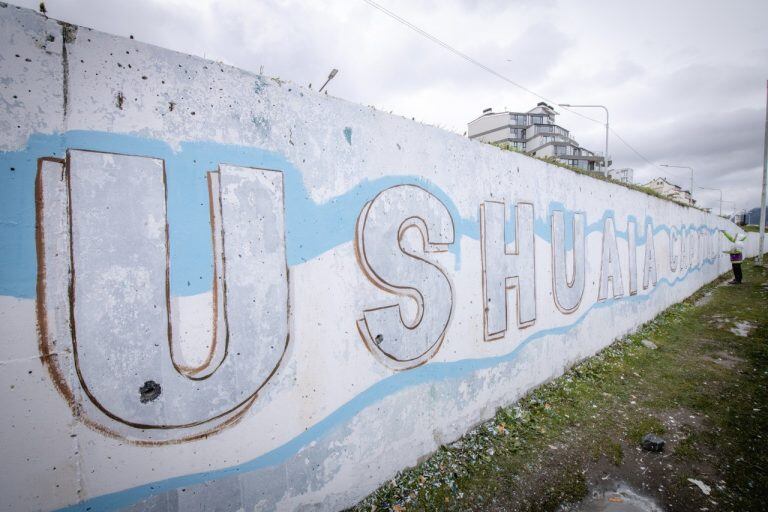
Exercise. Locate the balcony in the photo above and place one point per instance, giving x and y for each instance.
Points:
(550, 129)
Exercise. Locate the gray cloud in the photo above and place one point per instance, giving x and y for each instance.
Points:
(685, 82)
(536, 52)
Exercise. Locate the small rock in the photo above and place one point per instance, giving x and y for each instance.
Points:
(653, 443)
(649, 344)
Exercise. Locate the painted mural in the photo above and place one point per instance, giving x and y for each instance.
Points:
(222, 291)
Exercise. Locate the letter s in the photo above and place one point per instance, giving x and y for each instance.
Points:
(397, 342)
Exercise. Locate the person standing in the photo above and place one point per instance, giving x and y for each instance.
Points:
(737, 245)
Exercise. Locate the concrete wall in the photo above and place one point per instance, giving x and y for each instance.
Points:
(222, 291)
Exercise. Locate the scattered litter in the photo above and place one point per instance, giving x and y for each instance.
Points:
(701, 485)
(742, 329)
(704, 299)
(649, 344)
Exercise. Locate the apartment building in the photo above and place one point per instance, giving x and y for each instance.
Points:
(670, 190)
(535, 133)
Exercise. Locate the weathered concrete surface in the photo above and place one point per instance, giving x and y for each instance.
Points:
(315, 293)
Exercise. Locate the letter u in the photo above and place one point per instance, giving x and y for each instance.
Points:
(104, 300)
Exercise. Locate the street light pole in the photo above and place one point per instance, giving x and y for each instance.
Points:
(721, 197)
(330, 77)
(733, 212)
(761, 237)
(683, 167)
(605, 156)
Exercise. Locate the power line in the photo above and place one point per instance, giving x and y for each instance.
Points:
(495, 73)
(467, 57)
(634, 150)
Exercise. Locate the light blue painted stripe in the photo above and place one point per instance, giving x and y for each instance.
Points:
(311, 228)
(431, 372)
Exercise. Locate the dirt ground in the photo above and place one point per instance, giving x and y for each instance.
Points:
(575, 443)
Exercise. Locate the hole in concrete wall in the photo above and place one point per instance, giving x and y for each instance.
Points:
(120, 100)
(379, 338)
(149, 391)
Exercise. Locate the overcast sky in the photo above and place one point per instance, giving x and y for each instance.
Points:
(685, 81)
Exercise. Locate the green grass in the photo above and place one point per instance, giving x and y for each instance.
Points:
(593, 174)
(686, 448)
(533, 454)
(648, 425)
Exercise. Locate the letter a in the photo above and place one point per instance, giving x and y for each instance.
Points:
(610, 267)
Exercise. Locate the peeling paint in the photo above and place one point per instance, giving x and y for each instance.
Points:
(262, 125)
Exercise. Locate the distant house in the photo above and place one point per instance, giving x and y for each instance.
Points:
(739, 218)
(625, 175)
(534, 133)
(670, 190)
(753, 216)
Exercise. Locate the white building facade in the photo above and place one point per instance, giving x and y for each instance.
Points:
(670, 190)
(535, 133)
(625, 175)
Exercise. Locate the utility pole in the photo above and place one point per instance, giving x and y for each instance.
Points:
(605, 156)
(761, 238)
